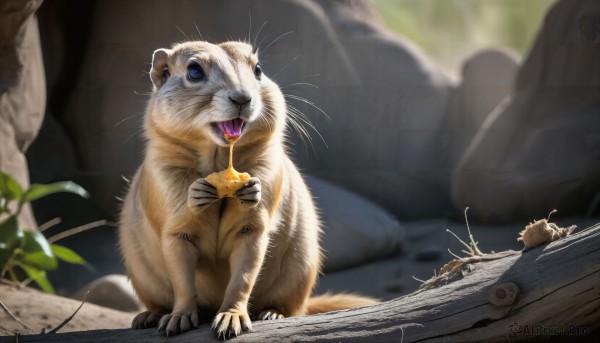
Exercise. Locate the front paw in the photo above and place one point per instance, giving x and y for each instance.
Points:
(175, 323)
(230, 324)
(201, 194)
(250, 194)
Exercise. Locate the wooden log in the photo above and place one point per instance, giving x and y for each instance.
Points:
(509, 296)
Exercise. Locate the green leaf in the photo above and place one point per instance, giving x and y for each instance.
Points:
(9, 187)
(37, 191)
(37, 251)
(34, 241)
(40, 260)
(39, 276)
(67, 255)
(10, 234)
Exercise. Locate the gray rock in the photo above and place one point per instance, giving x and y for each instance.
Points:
(539, 149)
(385, 97)
(429, 254)
(376, 279)
(417, 230)
(355, 230)
(395, 287)
(22, 90)
(487, 78)
(113, 291)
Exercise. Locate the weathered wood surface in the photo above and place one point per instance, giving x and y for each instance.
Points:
(558, 286)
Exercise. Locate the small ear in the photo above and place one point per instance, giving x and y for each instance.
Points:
(159, 66)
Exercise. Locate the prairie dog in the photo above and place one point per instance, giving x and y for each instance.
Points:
(190, 254)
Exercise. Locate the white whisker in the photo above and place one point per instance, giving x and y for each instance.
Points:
(249, 27)
(127, 118)
(183, 33)
(300, 84)
(197, 29)
(132, 135)
(306, 101)
(276, 39)
(285, 66)
(256, 37)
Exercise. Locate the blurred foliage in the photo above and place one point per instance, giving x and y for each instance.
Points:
(451, 30)
(25, 254)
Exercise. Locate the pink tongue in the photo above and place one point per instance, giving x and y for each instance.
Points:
(233, 128)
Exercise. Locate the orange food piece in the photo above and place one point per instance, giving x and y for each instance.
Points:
(228, 181)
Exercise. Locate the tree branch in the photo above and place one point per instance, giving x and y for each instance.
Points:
(498, 297)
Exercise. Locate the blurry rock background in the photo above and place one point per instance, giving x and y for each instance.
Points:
(405, 140)
(540, 148)
(22, 90)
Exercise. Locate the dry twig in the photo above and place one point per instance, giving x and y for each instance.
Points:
(12, 315)
(71, 316)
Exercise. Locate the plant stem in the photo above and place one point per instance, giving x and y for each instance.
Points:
(20, 207)
(9, 265)
(13, 276)
(473, 245)
(4, 207)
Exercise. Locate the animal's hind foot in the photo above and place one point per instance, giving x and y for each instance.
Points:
(270, 314)
(176, 323)
(146, 320)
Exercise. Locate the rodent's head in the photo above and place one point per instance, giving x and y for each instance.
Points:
(203, 90)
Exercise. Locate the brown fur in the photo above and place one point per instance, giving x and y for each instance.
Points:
(227, 258)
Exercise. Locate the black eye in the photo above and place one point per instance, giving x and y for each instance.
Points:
(258, 71)
(195, 72)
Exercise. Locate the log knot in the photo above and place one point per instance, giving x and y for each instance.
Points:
(503, 294)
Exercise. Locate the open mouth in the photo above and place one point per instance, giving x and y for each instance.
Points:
(230, 128)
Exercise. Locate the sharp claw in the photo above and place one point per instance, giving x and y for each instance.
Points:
(204, 191)
(216, 324)
(206, 183)
(161, 326)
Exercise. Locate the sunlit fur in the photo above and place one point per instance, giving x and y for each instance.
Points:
(227, 258)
